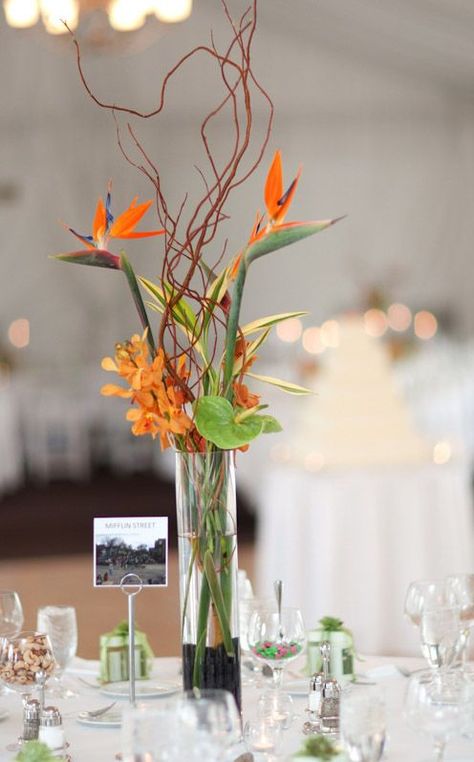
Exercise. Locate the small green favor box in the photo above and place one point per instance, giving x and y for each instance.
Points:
(114, 655)
(341, 665)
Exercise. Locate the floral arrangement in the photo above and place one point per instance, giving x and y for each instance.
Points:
(187, 377)
(188, 385)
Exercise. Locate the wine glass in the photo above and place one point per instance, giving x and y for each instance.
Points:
(26, 661)
(440, 633)
(461, 591)
(276, 639)
(262, 736)
(60, 623)
(363, 724)
(11, 613)
(11, 616)
(439, 705)
(276, 707)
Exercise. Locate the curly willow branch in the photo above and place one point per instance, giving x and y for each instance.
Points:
(185, 240)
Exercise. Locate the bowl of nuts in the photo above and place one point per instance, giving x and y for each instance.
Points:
(25, 658)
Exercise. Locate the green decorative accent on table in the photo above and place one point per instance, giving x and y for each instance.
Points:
(114, 655)
(319, 747)
(341, 665)
(35, 751)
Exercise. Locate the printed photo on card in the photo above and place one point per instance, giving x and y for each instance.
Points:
(131, 546)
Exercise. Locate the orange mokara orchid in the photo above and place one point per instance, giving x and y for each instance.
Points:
(105, 226)
(160, 404)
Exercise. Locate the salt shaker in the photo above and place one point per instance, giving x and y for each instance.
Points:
(51, 731)
(312, 724)
(31, 719)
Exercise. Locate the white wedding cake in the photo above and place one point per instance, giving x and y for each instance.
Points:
(357, 417)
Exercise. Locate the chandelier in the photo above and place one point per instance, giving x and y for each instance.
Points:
(122, 15)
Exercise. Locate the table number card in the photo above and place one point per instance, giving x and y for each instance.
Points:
(131, 546)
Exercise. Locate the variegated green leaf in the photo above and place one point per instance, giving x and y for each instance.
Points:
(285, 386)
(250, 352)
(266, 322)
(218, 601)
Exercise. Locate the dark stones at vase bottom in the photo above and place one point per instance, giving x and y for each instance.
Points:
(220, 671)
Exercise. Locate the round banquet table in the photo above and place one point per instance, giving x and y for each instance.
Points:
(101, 744)
(348, 543)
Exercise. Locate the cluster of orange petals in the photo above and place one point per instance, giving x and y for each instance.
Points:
(243, 397)
(241, 346)
(159, 402)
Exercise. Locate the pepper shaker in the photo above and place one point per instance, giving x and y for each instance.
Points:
(31, 719)
(330, 695)
(51, 731)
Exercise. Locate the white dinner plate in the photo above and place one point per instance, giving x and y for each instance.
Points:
(107, 720)
(148, 689)
(296, 687)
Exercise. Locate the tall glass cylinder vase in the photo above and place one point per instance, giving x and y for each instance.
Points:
(207, 536)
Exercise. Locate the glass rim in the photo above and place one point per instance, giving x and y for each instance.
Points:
(56, 606)
(23, 634)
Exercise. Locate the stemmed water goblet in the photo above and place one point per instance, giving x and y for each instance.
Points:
(276, 638)
(425, 595)
(439, 704)
(363, 724)
(60, 624)
(211, 713)
(430, 605)
(157, 734)
(460, 589)
(440, 635)
(26, 662)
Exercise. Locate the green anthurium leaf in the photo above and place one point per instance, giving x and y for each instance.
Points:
(285, 386)
(270, 424)
(267, 322)
(284, 235)
(92, 257)
(218, 601)
(215, 421)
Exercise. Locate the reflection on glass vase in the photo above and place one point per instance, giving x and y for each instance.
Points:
(207, 543)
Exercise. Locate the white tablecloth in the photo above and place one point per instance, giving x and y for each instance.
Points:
(101, 744)
(348, 543)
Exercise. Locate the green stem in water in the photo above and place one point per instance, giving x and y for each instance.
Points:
(203, 616)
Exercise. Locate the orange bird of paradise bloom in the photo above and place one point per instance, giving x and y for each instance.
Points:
(277, 201)
(105, 226)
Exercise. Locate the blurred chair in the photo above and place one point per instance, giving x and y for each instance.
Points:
(55, 434)
(11, 453)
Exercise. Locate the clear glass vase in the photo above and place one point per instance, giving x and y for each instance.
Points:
(207, 543)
